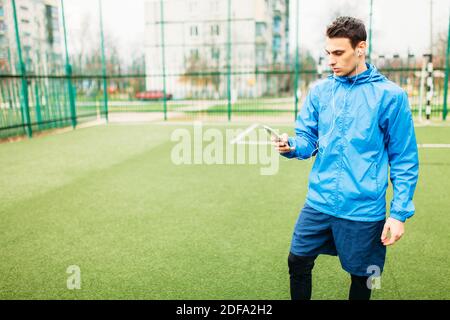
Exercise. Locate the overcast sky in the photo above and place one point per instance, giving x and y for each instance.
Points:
(398, 25)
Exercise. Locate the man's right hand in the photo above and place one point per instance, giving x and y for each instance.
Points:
(283, 145)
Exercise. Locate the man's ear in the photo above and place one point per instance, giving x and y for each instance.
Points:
(361, 47)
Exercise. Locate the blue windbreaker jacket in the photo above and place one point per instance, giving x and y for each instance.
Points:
(357, 127)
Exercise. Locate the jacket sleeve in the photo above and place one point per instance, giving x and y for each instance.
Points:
(306, 131)
(400, 140)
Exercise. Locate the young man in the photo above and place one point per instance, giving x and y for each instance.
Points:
(357, 123)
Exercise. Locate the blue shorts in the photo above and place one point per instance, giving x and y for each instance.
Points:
(357, 243)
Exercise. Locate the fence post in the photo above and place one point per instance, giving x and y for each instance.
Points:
(25, 103)
(429, 85)
(3, 93)
(370, 31)
(102, 42)
(38, 106)
(163, 53)
(229, 60)
(11, 92)
(447, 58)
(73, 114)
(296, 61)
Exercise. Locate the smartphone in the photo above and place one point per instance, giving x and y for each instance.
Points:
(273, 133)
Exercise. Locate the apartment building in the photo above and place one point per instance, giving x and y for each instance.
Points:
(40, 36)
(196, 40)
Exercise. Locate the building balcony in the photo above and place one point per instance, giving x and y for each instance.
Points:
(260, 39)
(278, 7)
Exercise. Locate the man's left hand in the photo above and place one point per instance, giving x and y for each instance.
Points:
(396, 229)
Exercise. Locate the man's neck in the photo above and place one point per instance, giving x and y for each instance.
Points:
(359, 69)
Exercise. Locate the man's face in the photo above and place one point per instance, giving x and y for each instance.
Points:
(342, 57)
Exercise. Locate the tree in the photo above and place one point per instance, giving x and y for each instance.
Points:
(196, 64)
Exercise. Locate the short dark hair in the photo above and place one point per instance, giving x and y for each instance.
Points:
(347, 27)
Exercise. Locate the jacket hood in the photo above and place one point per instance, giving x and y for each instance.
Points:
(370, 75)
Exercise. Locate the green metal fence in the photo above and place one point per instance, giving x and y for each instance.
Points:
(237, 81)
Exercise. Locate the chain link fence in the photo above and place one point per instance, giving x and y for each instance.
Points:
(195, 60)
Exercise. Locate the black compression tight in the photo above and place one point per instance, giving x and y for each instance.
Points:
(300, 273)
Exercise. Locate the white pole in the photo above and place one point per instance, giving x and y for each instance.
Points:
(422, 86)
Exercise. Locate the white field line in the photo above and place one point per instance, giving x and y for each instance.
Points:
(434, 145)
(254, 142)
(422, 146)
(238, 140)
(244, 133)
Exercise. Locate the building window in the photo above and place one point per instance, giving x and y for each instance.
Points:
(215, 30)
(260, 28)
(55, 23)
(215, 53)
(277, 24)
(51, 24)
(194, 31)
(194, 54)
(54, 11)
(276, 44)
(26, 50)
(260, 55)
(276, 47)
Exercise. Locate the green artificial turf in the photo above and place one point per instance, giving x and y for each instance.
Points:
(110, 200)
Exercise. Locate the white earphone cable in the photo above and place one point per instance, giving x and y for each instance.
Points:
(334, 117)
